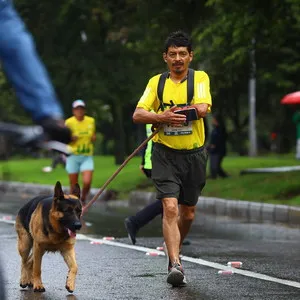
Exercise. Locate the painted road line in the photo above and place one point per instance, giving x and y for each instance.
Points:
(206, 263)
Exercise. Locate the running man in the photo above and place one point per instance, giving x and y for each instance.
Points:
(179, 157)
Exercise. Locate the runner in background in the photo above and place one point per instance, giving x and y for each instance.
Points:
(83, 136)
(134, 223)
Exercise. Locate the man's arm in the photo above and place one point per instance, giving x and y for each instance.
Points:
(201, 108)
(141, 115)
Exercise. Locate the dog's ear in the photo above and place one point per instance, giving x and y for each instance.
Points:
(58, 192)
(76, 190)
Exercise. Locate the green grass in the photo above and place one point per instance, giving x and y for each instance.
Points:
(277, 188)
(30, 170)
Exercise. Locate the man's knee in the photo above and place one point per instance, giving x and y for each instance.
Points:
(187, 213)
(170, 209)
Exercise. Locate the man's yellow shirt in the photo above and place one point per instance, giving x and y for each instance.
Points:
(84, 130)
(177, 92)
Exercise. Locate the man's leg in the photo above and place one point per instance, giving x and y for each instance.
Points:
(185, 220)
(172, 240)
(134, 223)
(170, 228)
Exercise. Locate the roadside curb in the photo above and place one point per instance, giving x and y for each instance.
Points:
(244, 210)
(239, 209)
(22, 187)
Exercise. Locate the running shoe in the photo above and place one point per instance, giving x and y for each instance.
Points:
(184, 278)
(176, 275)
(131, 230)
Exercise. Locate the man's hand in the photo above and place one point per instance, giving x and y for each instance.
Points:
(201, 109)
(169, 117)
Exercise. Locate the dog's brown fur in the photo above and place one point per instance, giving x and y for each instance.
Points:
(48, 224)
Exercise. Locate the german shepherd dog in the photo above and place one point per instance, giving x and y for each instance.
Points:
(48, 224)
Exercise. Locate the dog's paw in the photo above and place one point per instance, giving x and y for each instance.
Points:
(70, 288)
(23, 285)
(38, 288)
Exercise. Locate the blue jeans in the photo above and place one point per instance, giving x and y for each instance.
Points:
(23, 67)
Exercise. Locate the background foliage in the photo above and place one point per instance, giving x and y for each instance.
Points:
(105, 51)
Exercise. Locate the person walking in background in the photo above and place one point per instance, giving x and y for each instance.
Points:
(83, 136)
(296, 120)
(217, 147)
(179, 156)
(134, 223)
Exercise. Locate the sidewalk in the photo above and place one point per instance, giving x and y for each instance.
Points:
(244, 210)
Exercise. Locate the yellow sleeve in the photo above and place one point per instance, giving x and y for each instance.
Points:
(149, 97)
(202, 90)
(68, 122)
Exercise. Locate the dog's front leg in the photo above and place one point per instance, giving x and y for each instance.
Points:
(70, 259)
(38, 253)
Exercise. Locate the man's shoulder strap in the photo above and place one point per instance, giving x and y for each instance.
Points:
(160, 88)
(190, 87)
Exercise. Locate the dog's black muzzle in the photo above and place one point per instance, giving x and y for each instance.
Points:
(77, 225)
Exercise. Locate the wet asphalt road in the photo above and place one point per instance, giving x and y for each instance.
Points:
(114, 272)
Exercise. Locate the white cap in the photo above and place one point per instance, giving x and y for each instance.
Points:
(78, 103)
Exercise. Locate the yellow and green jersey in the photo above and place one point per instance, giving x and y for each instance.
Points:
(84, 130)
(177, 93)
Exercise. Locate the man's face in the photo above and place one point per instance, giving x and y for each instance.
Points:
(178, 59)
(79, 111)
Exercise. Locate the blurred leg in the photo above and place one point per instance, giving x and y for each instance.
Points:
(213, 163)
(23, 67)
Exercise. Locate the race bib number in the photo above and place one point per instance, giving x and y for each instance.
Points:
(183, 130)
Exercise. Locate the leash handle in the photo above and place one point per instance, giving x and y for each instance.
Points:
(85, 208)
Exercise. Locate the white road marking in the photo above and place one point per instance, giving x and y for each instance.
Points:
(198, 261)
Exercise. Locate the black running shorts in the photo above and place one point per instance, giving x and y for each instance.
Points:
(179, 174)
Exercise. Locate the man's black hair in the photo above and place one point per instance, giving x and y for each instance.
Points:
(178, 39)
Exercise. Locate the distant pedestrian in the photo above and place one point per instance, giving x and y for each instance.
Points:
(217, 147)
(296, 120)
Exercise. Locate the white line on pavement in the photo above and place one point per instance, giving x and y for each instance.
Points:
(199, 261)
